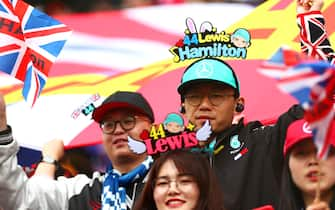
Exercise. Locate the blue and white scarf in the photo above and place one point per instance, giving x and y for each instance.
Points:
(114, 194)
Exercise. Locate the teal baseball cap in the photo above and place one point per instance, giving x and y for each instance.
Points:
(209, 69)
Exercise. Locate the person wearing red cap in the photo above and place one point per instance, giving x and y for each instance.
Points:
(298, 188)
(304, 174)
(122, 114)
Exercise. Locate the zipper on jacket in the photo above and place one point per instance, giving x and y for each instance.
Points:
(211, 160)
(211, 147)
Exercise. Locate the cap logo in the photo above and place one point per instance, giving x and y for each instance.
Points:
(205, 70)
(306, 128)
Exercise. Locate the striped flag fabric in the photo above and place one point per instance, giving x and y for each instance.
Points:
(314, 37)
(30, 42)
(277, 66)
(312, 83)
(320, 107)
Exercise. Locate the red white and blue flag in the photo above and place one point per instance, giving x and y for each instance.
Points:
(30, 42)
(312, 83)
(314, 37)
(320, 107)
(278, 65)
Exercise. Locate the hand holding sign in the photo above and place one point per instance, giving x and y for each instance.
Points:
(321, 205)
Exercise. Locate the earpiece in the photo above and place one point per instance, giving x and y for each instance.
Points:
(182, 109)
(239, 107)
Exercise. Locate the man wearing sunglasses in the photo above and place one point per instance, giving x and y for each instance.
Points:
(122, 114)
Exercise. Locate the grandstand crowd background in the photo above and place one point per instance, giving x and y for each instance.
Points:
(81, 6)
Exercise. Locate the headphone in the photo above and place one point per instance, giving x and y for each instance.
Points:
(239, 107)
(182, 109)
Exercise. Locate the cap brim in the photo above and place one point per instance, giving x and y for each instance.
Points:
(293, 141)
(295, 135)
(102, 110)
(187, 85)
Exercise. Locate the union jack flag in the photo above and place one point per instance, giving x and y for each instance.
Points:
(313, 36)
(30, 42)
(320, 108)
(278, 65)
(312, 83)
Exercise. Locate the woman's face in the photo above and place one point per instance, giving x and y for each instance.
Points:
(173, 190)
(305, 168)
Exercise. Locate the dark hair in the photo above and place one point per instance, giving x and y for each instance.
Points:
(211, 196)
(290, 195)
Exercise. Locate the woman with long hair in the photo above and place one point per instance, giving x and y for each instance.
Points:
(181, 179)
(307, 181)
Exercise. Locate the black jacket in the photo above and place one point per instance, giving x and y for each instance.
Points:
(249, 164)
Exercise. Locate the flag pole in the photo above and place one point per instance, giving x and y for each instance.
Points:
(317, 190)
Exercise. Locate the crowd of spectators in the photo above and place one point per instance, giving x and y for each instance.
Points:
(75, 6)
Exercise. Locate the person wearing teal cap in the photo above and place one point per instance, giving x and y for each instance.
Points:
(247, 158)
(216, 79)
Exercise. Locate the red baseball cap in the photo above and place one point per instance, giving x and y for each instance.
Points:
(266, 207)
(300, 130)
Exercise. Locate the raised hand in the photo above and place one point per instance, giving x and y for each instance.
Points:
(304, 6)
(54, 149)
(321, 205)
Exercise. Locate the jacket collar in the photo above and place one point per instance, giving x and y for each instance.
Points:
(232, 130)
